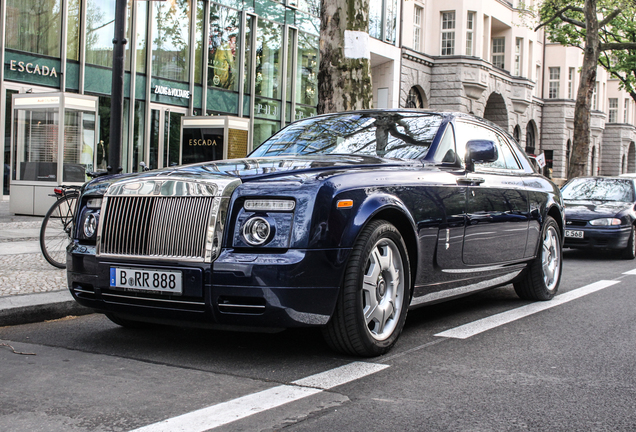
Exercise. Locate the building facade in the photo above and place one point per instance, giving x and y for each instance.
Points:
(258, 60)
(484, 57)
(248, 59)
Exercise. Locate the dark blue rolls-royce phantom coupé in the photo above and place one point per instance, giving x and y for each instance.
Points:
(343, 221)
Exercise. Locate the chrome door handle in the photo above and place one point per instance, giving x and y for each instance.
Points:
(470, 181)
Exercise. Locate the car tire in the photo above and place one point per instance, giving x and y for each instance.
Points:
(543, 275)
(127, 323)
(629, 252)
(375, 293)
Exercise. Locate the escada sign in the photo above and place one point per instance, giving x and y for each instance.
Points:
(32, 68)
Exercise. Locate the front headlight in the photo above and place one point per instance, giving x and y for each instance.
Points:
(256, 231)
(605, 222)
(264, 223)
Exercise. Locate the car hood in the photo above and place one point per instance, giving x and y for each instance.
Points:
(249, 169)
(275, 166)
(588, 210)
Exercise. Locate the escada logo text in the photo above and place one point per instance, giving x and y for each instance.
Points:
(31, 68)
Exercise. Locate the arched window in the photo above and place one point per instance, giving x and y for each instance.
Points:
(414, 99)
(530, 139)
(624, 164)
(517, 133)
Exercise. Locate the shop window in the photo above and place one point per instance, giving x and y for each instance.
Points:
(224, 48)
(73, 30)
(34, 26)
(383, 20)
(100, 27)
(171, 40)
(268, 59)
(307, 69)
(142, 29)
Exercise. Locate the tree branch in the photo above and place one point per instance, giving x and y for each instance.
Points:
(559, 14)
(617, 46)
(608, 18)
(572, 21)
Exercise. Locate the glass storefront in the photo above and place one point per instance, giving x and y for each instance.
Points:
(261, 51)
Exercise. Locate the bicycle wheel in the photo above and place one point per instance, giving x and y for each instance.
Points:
(55, 233)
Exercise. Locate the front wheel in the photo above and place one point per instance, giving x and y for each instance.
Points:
(55, 233)
(374, 297)
(542, 278)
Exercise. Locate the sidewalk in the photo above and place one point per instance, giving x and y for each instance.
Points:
(31, 289)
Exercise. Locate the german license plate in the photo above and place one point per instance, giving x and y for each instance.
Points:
(163, 281)
(574, 234)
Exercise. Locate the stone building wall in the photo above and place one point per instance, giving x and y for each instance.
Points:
(618, 140)
(416, 72)
(558, 117)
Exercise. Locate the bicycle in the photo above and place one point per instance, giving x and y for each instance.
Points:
(57, 226)
(56, 231)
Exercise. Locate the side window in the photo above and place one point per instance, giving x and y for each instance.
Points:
(445, 152)
(504, 148)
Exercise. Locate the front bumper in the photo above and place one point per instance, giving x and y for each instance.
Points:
(599, 238)
(259, 291)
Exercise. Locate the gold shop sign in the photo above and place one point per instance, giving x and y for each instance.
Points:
(32, 68)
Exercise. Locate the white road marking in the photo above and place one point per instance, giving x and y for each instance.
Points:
(471, 329)
(236, 409)
(631, 272)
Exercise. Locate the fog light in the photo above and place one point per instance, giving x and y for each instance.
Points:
(90, 225)
(256, 231)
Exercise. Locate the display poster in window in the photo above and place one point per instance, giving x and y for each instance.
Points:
(201, 145)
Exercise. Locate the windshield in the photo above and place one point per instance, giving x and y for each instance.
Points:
(599, 189)
(389, 135)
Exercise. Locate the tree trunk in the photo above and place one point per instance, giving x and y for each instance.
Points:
(344, 78)
(581, 142)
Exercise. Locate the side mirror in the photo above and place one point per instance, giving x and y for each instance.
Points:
(479, 151)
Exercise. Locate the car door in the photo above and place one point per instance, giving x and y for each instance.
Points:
(497, 208)
(451, 198)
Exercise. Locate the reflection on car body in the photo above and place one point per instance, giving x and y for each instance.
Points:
(342, 221)
(600, 214)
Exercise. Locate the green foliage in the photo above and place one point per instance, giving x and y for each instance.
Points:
(567, 27)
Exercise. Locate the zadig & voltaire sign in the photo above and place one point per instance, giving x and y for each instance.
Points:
(169, 91)
(32, 68)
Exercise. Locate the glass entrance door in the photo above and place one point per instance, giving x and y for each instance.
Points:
(165, 136)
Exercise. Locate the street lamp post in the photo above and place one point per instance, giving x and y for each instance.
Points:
(117, 89)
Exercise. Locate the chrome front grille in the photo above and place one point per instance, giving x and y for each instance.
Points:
(157, 226)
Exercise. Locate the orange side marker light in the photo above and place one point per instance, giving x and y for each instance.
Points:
(345, 204)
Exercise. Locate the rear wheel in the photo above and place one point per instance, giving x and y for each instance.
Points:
(630, 251)
(373, 301)
(542, 278)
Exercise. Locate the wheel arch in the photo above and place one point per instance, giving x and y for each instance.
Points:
(398, 216)
(557, 215)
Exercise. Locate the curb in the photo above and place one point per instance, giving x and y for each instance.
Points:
(31, 308)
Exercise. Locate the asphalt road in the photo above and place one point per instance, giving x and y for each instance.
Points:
(565, 368)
